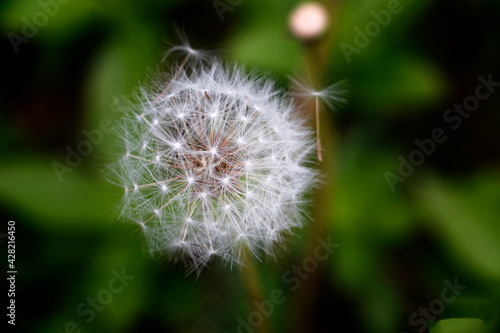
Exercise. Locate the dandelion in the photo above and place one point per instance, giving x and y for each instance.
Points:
(214, 163)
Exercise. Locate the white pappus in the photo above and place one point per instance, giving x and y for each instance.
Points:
(214, 163)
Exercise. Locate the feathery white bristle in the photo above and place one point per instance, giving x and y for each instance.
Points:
(213, 164)
(333, 95)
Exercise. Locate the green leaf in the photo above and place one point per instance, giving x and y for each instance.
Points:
(409, 82)
(369, 218)
(51, 19)
(458, 325)
(387, 75)
(263, 41)
(467, 219)
(31, 187)
(125, 61)
(365, 205)
(275, 51)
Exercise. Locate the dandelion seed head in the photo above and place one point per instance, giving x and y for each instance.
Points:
(217, 161)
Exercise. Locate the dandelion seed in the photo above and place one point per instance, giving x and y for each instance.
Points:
(332, 96)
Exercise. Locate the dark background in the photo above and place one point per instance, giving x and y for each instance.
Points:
(396, 247)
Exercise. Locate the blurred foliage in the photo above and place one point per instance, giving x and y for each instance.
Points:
(397, 247)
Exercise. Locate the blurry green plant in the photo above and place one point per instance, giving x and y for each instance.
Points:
(396, 247)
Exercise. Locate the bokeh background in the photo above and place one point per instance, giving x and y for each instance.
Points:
(396, 247)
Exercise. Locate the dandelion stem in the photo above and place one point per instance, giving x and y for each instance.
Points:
(318, 140)
(253, 287)
(316, 57)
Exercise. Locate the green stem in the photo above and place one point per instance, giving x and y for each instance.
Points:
(316, 56)
(253, 290)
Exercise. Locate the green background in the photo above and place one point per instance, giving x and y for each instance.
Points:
(396, 247)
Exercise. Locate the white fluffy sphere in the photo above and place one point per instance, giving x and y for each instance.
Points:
(213, 164)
